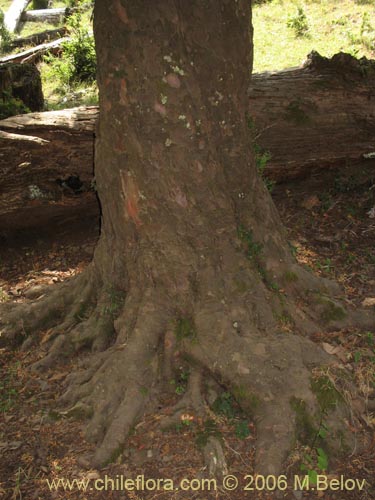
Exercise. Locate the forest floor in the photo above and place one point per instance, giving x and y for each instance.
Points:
(331, 229)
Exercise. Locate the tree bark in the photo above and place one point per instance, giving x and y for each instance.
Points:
(13, 15)
(318, 116)
(46, 167)
(192, 267)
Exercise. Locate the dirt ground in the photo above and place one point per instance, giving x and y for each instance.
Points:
(331, 230)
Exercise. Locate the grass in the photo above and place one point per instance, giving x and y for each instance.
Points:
(348, 26)
(5, 4)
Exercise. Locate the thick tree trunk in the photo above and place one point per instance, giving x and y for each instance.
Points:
(192, 267)
(333, 123)
(46, 167)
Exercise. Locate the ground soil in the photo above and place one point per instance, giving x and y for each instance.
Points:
(328, 217)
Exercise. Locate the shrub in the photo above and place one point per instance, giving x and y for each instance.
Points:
(78, 61)
(40, 4)
(5, 36)
(298, 23)
(10, 106)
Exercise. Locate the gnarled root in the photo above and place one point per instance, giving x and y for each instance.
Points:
(133, 347)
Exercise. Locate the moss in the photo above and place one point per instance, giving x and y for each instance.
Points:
(253, 248)
(185, 329)
(289, 277)
(79, 411)
(326, 393)
(306, 431)
(114, 456)
(241, 286)
(248, 401)
(332, 312)
(209, 429)
(295, 114)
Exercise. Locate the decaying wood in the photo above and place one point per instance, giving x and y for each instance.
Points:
(13, 15)
(46, 166)
(316, 116)
(22, 81)
(35, 53)
(39, 38)
(53, 16)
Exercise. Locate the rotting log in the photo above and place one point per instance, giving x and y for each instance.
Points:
(23, 82)
(13, 15)
(35, 53)
(39, 38)
(319, 116)
(53, 16)
(46, 167)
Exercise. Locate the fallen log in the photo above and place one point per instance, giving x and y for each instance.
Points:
(35, 53)
(319, 116)
(39, 38)
(53, 16)
(12, 17)
(46, 167)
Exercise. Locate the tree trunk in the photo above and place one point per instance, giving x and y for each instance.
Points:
(13, 15)
(341, 128)
(192, 268)
(317, 116)
(46, 167)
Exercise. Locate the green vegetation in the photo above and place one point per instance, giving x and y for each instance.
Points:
(5, 36)
(181, 381)
(185, 329)
(300, 26)
(208, 430)
(326, 393)
(10, 106)
(298, 23)
(8, 391)
(114, 303)
(39, 4)
(254, 248)
(261, 157)
(75, 70)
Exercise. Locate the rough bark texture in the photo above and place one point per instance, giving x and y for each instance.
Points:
(23, 82)
(186, 271)
(332, 123)
(317, 116)
(46, 167)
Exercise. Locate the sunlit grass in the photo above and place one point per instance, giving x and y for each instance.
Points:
(334, 26)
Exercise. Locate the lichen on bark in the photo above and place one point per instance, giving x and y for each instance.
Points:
(193, 261)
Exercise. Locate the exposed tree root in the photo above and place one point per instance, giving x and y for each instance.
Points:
(227, 336)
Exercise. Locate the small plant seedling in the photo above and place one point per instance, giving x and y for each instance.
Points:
(298, 23)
